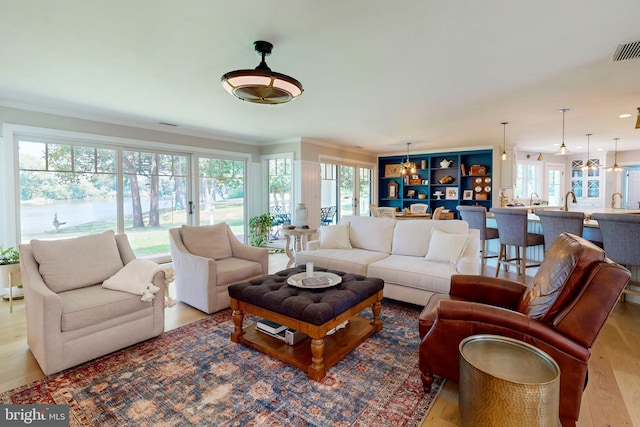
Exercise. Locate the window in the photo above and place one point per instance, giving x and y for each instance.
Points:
(528, 179)
(221, 192)
(345, 187)
(280, 180)
(71, 189)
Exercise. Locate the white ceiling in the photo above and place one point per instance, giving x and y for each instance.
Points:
(377, 73)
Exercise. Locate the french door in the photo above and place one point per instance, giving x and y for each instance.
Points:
(348, 187)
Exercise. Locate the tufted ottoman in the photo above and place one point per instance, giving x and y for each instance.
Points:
(313, 312)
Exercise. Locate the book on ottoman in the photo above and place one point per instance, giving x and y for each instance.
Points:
(315, 281)
(269, 326)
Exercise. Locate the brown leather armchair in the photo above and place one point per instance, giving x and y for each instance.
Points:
(561, 313)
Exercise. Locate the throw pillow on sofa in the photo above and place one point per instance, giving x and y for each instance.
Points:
(334, 237)
(446, 247)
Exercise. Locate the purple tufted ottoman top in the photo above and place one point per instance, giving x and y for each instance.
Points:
(315, 306)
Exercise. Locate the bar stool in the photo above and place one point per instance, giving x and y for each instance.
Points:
(556, 222)
(513, 231)
(620, 237)
(476, 216)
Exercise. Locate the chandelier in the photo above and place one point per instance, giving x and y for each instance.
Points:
(563, 148)
(261, 85)
(408, 167)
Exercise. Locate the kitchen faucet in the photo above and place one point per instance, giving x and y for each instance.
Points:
(531, 198)
(566, 200)
(613, 200)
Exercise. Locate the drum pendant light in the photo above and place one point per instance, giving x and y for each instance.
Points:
(261, 85)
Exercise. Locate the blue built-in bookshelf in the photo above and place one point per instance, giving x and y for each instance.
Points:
(461, 178)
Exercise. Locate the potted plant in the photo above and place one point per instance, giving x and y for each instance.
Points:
(259, 229)
(9, 267)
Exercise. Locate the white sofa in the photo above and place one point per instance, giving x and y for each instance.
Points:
(399, 253)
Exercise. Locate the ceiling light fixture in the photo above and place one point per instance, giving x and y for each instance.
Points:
(261, 85)
(563, 148)
(638, 120)
(504, 140)
(408, 167)
(615, 167)
(540, 157)
(589, 164)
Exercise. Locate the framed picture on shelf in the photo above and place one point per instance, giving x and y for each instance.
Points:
(467, 195)
(392, 171)
(392, 190)
(411, 194)
(451, 193)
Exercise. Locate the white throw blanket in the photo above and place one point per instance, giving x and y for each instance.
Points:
(136, 277)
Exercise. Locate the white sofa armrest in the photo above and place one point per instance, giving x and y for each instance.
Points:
(312, 245)
(251, 253)
(470, 262)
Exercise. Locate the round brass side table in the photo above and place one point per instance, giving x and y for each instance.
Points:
(506, 382)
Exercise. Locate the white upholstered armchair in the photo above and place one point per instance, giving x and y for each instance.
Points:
(208, 259)
(71, 316)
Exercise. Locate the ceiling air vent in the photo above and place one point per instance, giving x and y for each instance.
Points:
(626, 51)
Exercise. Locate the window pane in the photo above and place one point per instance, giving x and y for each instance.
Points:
(221, 197)
(59, 157)
(32, 155)
(84, 159)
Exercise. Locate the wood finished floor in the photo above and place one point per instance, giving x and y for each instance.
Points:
(611, 398)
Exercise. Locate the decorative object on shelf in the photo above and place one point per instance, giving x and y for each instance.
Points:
(638, 120)
(615, 167)
(467, 195)
(408, 167)
(392, 190)
(446, 180)
(423, 195)
(540, 157)
(415, 180)
(438, 195)
(463, 169)
(423, 164)
(392, 171)
(301, 216)
(504, 140)
(446, 163)
(452, 193)
(478, 170)
(481, 196)
(411, 194)
(563, 151)
(261, 85)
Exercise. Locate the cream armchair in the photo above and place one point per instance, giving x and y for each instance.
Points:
(71, 317)
(208, 259)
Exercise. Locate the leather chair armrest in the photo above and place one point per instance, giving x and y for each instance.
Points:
(487, 290)
(508, 323)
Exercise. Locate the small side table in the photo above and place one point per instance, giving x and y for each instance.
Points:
(10, 277)
(300, 238)
(507, 382)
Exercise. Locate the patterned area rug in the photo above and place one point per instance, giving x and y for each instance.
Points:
(195, 375)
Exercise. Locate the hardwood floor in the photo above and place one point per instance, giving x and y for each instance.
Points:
(611, 398)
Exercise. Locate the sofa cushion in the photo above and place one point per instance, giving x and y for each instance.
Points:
(446, 247)
(370, 233)
(94, 304)
(232, 270)
(334, 237)
(74, 263)
(413, 272)
(412, 237)
(209, 241)
(348, 260)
